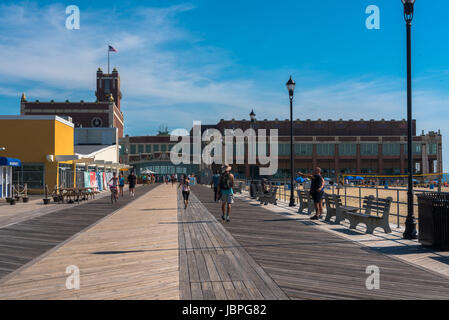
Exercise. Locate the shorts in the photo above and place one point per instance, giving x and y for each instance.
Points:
(185, 195)
(227, 198)
(317, 196)
(132, 186)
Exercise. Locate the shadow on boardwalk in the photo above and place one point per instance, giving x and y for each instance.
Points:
(25, 241)
(309, 263)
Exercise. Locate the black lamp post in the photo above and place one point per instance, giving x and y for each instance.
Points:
(410, 222)
(291, 88)
(252, 116)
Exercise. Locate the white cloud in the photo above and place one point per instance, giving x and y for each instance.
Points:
(170, 75)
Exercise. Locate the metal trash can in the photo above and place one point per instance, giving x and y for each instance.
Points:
(433, 214)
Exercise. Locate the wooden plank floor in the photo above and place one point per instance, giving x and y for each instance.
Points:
(131, 254)
(309, 263)
(212, 264)
(35, 208)
(24, 241)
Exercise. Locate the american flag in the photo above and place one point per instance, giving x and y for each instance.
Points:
(112, 49)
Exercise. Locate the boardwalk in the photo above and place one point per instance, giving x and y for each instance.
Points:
(132, 254)
(308, 263)
(213, 265)
(152, 248)
(24, 241)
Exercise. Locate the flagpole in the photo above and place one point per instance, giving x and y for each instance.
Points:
(108, 59)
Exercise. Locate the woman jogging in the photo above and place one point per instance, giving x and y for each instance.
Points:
(316, 191)
(185, 187)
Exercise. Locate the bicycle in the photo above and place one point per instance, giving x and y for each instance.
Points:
(114, 194)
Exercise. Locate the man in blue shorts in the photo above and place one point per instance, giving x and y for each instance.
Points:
(225, 185)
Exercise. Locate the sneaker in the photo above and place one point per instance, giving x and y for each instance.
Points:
(223, 217)
(228, 219)
(314, 218)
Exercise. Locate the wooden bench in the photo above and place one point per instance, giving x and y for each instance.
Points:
(371, 206)
(333, 202)
(269, 197)
(305, 201)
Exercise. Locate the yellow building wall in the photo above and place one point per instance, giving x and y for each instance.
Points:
(32, 140)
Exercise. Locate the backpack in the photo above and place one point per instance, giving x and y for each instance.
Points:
(225, 182)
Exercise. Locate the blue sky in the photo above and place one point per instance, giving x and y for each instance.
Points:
(205, 60)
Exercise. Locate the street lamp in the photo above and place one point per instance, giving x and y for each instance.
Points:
(410, 222)
(252, 116)
(291, 88)
(2, 148)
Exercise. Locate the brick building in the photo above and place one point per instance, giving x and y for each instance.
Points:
(345, 146)
(152, 153)
(104, 112)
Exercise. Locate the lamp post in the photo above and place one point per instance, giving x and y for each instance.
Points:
(410, 222)
(291, 88)
(252, 116)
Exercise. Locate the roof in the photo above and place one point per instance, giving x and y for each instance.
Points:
(90, 150)
(37, 117)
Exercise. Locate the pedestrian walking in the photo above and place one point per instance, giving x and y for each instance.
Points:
(214, 185)
(132, 182)
(316, 191)
(121, 183)
(225, 186)
(185, 188)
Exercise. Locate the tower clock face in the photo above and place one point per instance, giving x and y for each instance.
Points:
(97, 122)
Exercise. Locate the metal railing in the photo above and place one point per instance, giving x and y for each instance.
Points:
(353, 196)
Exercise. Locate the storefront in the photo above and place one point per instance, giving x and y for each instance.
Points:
(6, 165)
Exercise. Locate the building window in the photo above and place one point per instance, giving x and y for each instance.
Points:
(140, 148)
(155, 148)
(96, 122)
(133, 149)
(368, 149)
(347, 149)
(163, 147)
(391, 149)
(31, 174)
(284, 149)
(416, 148)
(148, 148)
(122, 149)
(432, 148)
(303, 149)
(106, 86)
(325, 149)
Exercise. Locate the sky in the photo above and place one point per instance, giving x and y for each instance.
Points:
(207, 60)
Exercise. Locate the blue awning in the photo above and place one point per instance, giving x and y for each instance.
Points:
(10, 162)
